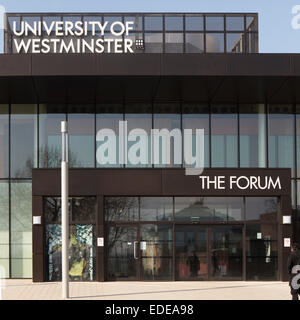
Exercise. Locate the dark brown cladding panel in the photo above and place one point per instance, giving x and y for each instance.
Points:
(155, 182)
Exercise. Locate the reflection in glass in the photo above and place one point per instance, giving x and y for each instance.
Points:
(153, 42)
(139, 116)
(121, 209)
(167, 116)
(23, 140)
(261, 251)
(174, 23)
(191, 252)
(156, 252)
(4, 147)
(253, 143)
(224, 136)
(197, 117)
(121, 247)
(261, 208)
(81, 122)
(235, 23)
(214, 23)
(281, 137)
(193, 23)
(21, 229)
(137, 22)
(234, 42)
(4, 227)
(156, 208)
(215, 42)
(298, 139)
(226, 252)
(153, 23)
(193, 209)
(173, 42)
(50, 117)
(82, 256)
(194, 42)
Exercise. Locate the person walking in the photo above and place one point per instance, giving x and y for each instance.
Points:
(293, 261)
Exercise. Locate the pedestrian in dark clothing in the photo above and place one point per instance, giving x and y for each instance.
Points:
(293, 270)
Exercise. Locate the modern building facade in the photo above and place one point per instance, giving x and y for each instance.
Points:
(148, 220)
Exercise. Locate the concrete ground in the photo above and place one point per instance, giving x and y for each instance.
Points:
(26, 290)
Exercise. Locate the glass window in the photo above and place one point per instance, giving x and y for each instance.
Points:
(193, 209)
(261, 208)
(21, 229)
(235, 23)
(108, 117)
(174, 42)
(156, 208)
(226, 252)
(156, 252)
(253, 143)
(4, 147)
(4, 227)
(197, 117)
(193, 23)
(251, 23)
(50, 117)
(298, 139)
(281, 137)
(139, 116)
(214, 23)
(252, 43)
(174, 23)
(153, 43)
(261, 251)
(121, 209)
(215, 42)
(194, 42)
(111, 20)
(137, 22)
(153, 23)
(166, 148)
(23, 140)
(234, 42)
(81, 121)
(224, 136)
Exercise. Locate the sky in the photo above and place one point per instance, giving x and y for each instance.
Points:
(276, 34)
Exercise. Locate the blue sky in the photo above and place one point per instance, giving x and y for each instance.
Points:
(276, 33)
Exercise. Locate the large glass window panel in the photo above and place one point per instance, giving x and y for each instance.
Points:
(226, 252)
(108, 117)
(194, 42)
(21, 229)
(4, 227)
(156, 208)
(281, 137)
(201, 209)
(139, 117)
(81, 121)
(23, 140)
(156, 252)
(121, 209)
(111, 20)
(153, 23)
(137, 22)
(82, 254)
(166, 149)
(234, 42)
(224, 136)
(197, 117)
(214, 23)
(215, 42)
(261, 252)
(193, 23)
(153, 42)
(253, 141)
(50, 117)
(235, 23)
(191, 253)
(174, 23)
(174, 42)
(4, 147)
(261, 208)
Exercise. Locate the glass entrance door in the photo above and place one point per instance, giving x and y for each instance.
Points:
(226, 252)
(191, 252)
(122, 252)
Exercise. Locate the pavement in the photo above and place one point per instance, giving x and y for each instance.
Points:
(227, 290)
